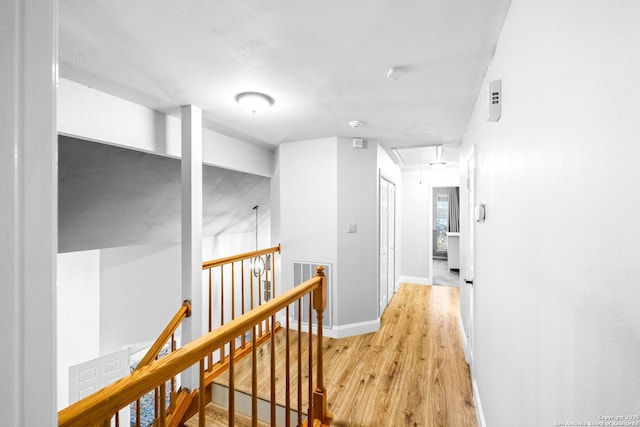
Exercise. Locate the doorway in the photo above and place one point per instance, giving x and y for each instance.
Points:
(470, 256)
(387, 236)
(445, 236)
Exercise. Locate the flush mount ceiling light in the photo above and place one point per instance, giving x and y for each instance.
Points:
(355, 123)
(254, 102)
(439, 163)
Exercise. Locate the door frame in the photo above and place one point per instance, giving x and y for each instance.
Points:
(470, 257)
(382, 176)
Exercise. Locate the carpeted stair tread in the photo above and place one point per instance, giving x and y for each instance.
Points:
(218, 416)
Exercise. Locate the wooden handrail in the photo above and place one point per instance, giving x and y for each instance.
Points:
(152, 353)
(215, 263)
(104, 403)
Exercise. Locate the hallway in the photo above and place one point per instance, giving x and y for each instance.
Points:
(411, 372)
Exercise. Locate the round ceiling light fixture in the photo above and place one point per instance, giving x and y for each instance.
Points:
(254, 102)
(355, 123)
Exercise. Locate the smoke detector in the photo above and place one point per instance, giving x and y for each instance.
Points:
(355, 123)
(395, 73)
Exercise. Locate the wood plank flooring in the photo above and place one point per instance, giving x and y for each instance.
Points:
(412, 372)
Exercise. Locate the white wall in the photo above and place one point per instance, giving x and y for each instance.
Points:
(78, 314)
(87, 113)
(308, 203)
(139, 293)
(557, 318)
(416, 219)
(324, 185)
(357, 195)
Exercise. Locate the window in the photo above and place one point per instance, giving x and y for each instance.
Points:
(442, 222)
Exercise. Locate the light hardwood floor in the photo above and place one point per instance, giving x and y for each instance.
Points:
(412, 372)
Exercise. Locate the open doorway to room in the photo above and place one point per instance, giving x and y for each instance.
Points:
(446, 236)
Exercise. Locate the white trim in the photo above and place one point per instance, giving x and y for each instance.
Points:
(357, 328)
(415, 280)
(469, 358)
(342, 331)
(87, 113)
(463, 335)
(476, 399)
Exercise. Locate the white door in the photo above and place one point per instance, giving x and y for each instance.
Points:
(384, 244)
(88, 377)
(471, 244)
(391, 241)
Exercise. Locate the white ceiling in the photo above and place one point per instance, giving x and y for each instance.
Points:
(324, 62)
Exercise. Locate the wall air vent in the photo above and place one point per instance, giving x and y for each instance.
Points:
(359, 143)
(303, 271)
(495, 100)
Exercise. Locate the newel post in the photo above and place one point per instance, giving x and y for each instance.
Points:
(319, 304)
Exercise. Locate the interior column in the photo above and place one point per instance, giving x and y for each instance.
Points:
(28, 211)
(192, 230)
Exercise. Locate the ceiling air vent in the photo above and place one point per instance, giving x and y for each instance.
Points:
(495, 100)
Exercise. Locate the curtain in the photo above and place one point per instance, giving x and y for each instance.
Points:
(454, 209)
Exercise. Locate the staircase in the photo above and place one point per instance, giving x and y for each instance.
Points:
(238, 335)
(217, 411)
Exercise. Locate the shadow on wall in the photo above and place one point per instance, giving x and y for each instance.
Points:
(111, 196)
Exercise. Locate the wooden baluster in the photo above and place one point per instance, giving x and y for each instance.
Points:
(254, 379)
(243, 297)
(162, 422)
(319, 304)
(260, 299)
(210, 311)
(251, 290)
(267, 297)
(117, 415)
(299, 362)
(266, 281)
(233, 291)
(232, 386)
(155, 402)
(222, 308)
(210, 300)
(106, 423)
(273, 275)
(138, 413)
(310, 413)
(201, 397)
(287, 363)
(273, 372)
(172, 392)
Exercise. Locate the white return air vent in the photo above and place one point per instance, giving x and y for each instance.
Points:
(303, 271)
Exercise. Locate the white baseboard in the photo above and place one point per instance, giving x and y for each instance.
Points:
(476, 399)
(343, 331)
(469, 358)
(465, 342)
(415, 280)
(360, 328)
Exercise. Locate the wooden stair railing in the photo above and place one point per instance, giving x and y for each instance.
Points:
(167, 335)
(241, 287)
(99, 407)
